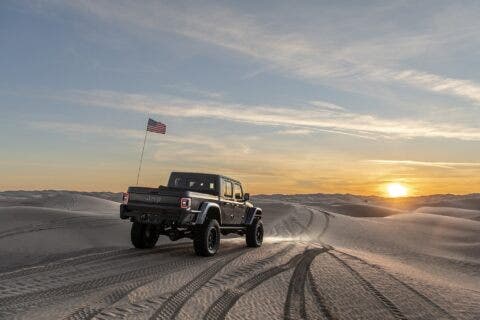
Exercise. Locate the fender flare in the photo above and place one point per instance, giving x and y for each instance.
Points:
(252, 213)
(202, 215)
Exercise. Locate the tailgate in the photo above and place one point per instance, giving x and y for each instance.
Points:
(154, 196)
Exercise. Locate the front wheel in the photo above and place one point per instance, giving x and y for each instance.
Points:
(143, 236)
(254, 235)
(206, 239)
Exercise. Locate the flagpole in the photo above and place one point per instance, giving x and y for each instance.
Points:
(141, 157)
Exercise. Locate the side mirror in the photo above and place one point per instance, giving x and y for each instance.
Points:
(246, 196)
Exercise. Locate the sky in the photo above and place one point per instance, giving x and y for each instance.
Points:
(288, 97)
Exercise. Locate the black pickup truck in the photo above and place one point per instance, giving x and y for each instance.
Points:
(198, 206)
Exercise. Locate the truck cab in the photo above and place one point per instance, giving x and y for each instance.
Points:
(232, 202)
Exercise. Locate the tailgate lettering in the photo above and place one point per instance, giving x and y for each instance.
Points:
(150, 198)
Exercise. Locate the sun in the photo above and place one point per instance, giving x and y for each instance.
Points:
(396, 190)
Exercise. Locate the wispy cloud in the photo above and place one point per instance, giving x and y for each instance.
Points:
(334, 120)
(300, 132)
(292, 53)
(432, 82)
(326, 105)
(73, 128)
(435, 164)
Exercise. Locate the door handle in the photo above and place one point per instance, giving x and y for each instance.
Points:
(231, 216)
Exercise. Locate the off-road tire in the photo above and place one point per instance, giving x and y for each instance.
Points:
(143, 236)
(254, 235)
(206, 239)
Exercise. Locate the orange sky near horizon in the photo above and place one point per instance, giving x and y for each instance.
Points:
(267, 177)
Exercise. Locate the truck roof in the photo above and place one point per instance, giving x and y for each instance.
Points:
(205, 174)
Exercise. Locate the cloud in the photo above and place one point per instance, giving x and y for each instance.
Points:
(334, 120)
(326, 105)
(300, 132)
(290, 52)
(73, 128)
(432, 82)
(444, 165)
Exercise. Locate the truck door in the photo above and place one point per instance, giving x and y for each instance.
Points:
(239, 208)
(227, 203)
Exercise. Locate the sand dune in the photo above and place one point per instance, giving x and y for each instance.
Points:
(363, 210)
(452, 212)
(67, 256)
(71, 201)
(464, 206)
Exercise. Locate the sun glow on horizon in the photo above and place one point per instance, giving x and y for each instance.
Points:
(395, 190)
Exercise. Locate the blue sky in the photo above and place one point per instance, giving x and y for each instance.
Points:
(316, 97)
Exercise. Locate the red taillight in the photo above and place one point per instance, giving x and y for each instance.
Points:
(125, 197)
(185, 203)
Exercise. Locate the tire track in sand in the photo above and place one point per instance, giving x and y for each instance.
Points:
(42, 296)
(295, 302)
(175, 302)
(322, 306)
(88, 312)
(57, 263)
(111, 299)
(85, 258)
(389, 305)
(327, 216)
(61, 223)
(292, 220)
(247, 268)
(443, 312)
(305, 228)
(221, 307)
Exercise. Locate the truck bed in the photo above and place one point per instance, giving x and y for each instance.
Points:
(162, 205)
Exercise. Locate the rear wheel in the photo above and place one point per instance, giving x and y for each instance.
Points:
(254, 235)
(206, 239)
(144, 236)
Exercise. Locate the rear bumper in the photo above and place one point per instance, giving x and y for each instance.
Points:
(158, 215)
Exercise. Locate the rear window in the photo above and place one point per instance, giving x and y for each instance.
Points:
(200, 183)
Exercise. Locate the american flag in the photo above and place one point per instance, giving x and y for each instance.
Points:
(155, 126)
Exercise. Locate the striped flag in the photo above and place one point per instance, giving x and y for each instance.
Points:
(155, 126)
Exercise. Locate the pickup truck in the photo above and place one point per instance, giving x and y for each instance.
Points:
(198, 206)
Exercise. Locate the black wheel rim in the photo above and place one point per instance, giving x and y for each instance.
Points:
(212, 240)
(259, 235)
